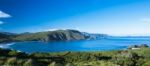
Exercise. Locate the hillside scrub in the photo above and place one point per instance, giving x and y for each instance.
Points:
(129, 57)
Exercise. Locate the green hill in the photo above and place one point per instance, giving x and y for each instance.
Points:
(58, 35)
(139, 57)
(51, 36)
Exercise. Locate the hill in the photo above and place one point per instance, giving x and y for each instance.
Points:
(139, 57)
(58, 35)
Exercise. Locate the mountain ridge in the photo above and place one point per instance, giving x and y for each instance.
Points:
(57, 35)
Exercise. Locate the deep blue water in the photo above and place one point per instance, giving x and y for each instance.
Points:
(82, 45)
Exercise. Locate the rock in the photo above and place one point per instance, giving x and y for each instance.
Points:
(144, 45)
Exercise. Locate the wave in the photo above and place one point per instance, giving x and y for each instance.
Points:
(7, 45)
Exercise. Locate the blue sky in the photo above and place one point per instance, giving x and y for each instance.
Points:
(114, 17)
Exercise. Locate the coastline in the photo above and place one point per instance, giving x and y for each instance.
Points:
(106, 58)
(35, 47)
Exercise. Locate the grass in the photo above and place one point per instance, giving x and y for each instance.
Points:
(140, 57)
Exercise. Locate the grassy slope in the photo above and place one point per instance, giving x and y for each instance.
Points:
(108, 58)
(51, 36)
(58, 35)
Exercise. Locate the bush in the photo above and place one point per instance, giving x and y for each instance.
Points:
(13, 53)
(11, 62)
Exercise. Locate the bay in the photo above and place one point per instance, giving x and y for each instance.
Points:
(81, 45)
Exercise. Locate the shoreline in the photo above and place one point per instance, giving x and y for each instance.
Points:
(7, 45)
(132, 47)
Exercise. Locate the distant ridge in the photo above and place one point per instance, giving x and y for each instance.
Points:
(57, 35)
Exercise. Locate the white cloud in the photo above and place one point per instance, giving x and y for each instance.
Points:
(1, 22)
(4, 15)
(53, 29)
(145, 19)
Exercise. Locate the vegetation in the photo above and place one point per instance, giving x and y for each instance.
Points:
(139, 57)
(51, 36)
(58, 35)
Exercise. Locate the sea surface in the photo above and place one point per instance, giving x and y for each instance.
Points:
(81, 45)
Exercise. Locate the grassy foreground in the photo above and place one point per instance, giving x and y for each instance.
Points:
(140, 57)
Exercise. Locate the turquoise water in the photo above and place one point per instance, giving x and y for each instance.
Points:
(82, 45)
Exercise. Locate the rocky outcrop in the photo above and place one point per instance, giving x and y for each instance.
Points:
(138, 46)
(94, 36)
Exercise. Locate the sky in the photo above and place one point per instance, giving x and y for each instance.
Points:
(113, 17)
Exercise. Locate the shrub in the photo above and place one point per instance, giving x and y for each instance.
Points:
(11, 62)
